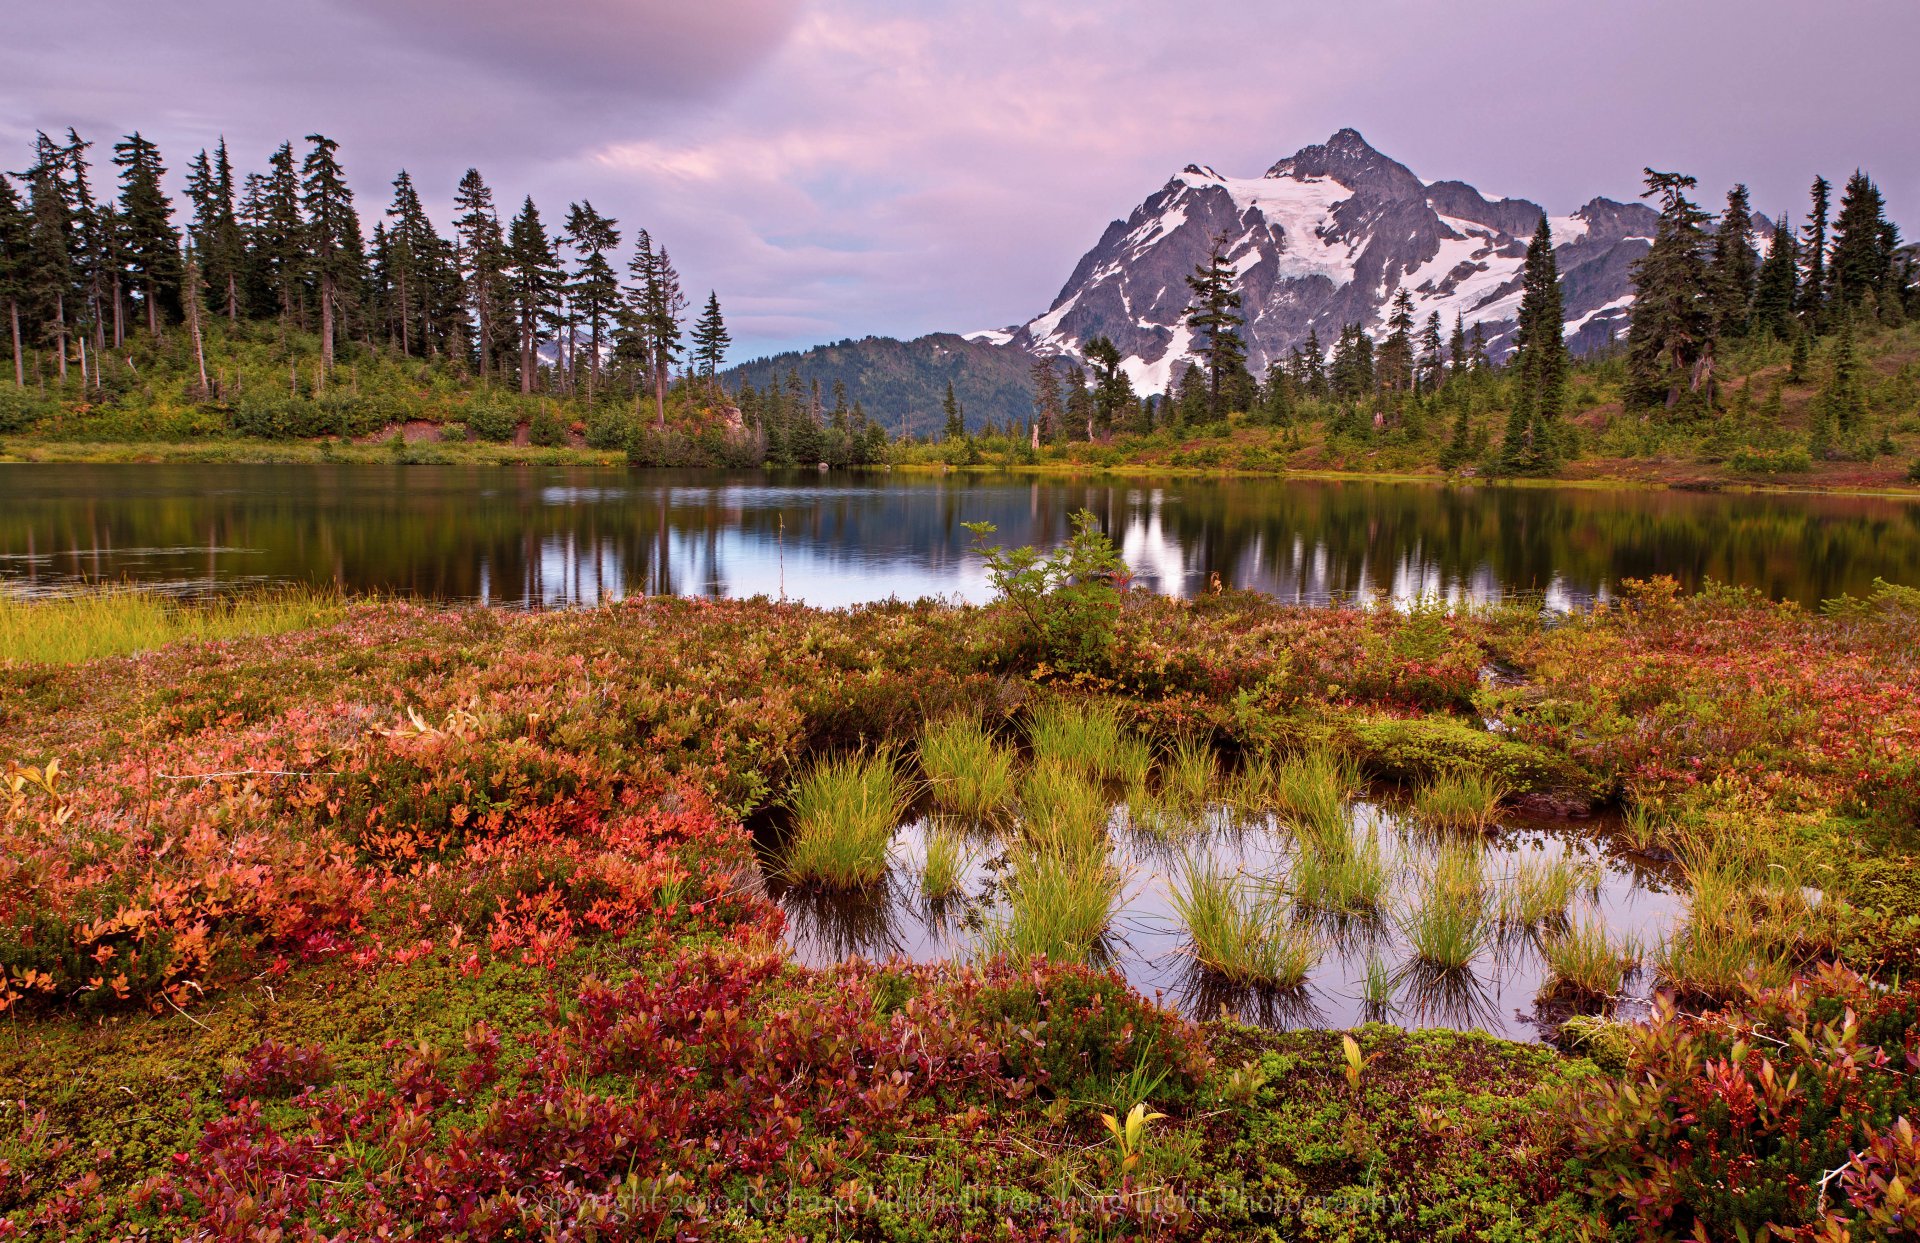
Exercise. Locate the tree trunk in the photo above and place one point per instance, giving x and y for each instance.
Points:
(660, 395)
(233, 299)
(326, 324)
(60, 331)
(153, 312)
(119, 319)
(19, 359)
(193, 324)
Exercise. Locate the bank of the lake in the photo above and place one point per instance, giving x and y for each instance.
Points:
(460, 918)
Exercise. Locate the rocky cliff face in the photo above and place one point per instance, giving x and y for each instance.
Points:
(1326, 238)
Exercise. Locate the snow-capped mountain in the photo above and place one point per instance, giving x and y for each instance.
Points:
(1325, 238)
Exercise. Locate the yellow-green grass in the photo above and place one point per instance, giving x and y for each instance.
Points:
(1457, 875)
(1541, 890)
(1056, 906)
(1310, 789)
(1584, 964)
(1090, 739)
(1721, 961)
(943, 867)
(1238, 935)
(1446, 933)
(123, 621)
(1377, 987)
(969, 773)
(1460, 799)
(1345, 875)
(845, 810)
(1158, 818)
(1189, 774)
(1061, 812)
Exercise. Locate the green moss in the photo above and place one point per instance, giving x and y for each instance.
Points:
(1416, 749)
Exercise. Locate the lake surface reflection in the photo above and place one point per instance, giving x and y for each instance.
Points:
(532, 536)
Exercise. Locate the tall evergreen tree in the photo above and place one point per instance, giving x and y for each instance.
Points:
(711, 339)
(13, 266)
(1112, 389)
(1670, 344)
(594, 290)
(1457, 345)
(218, 245)
(1861, 262)
(482, 249)
(278, 233)
(1048, 413)
(152, 243)
(1777, 289)
(658, 305)
(1539, 366)
(47, 279)
(1813, 253)
(99, 255)
(1214, 317)
(1393, 363)
(956, 424)
(534, 279)
(409, 253)
(336, 256)
(1433, 359)
(1735, 265)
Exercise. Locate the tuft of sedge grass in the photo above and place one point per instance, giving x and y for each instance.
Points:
(968, 772)
(1541, 890)
(1445, 933)
(1377, 987)
(1461, 799)
(1643, 831)
(1458, 875)
(1153, 815)
(123, 621)
(1062, 813)
(1345, 875)
(1721, 961)
(1189, 773)
(1056, 906)
(943, 866)
(1090, 739)
(845, 810)
(1584, 965)
(1239, 936)
(1310, 791)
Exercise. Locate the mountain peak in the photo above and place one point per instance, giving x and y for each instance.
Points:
(1352, 161)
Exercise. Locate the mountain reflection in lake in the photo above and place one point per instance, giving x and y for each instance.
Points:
(553, 536)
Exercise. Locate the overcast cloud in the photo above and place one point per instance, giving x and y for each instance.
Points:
(842, 167)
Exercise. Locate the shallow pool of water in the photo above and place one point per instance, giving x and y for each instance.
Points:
(1149, 945)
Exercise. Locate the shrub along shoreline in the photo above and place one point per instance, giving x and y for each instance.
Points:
(446, 920)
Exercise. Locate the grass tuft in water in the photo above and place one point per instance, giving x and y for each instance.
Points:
(1541, 890)
(1585, 965)
(122, 621)
(970, 774)
(1377, 987)
(1062, 813)
(1460, 800)
(1446, 933)
(845, 810)
(1240, 937)
(1057, 906)
(1346, 875)
(1090, 739)
(1189, 775)
(944, 867)
(1310, 789)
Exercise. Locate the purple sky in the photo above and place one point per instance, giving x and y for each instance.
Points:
(842, 167)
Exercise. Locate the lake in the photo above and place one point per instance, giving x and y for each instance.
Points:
(558, 536)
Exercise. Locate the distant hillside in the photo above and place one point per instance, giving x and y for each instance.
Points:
(902, 383)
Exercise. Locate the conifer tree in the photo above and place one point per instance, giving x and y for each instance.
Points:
(1861, 261)
(215, 232)
(1433, 360)
(1310, 370)
(193, 311)
(1457, 345)
(278, 232)
(1539, 366)
(1048, 413)
(482, 249)
(956, 425)
(1734, 265)
(1112, 389)
(1777, 288)
(1213, 315)
(409, 250)
(336, 255)
(1670, 344)
(533, 281)
(152, 243)
(657, 310)
(1844, 400)
(594, 290)
(13, 262)
(1478, 359)
(47, 272)
(98, 237)
(1813, 252)
(711, 339)
(1395, 359)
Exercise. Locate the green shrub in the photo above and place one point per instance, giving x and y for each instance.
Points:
(491, 422)
(546, 429)
(1793, 461)
(609, 427)
(1913, 471)
(20, 409)
(1066, 604)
